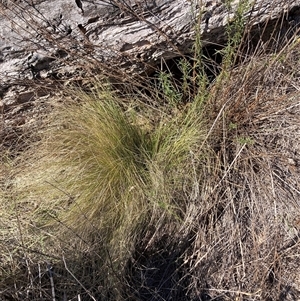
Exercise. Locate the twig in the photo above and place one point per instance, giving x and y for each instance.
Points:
(23, 244)
(40, 280)
(286, 183)
(86, 290)
(230, 166)
(256, 294)
(51, 281)
(214, 123)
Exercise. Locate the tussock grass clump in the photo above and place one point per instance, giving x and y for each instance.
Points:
(101, 157)
(104, 175)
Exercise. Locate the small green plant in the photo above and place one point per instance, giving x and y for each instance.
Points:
(232, 126)
(185, 68)
(235, 31)
(169, 90)
(245, 140)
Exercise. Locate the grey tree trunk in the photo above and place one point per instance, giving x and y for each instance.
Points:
(131, 35)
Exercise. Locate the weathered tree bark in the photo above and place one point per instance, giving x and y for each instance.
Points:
(39, 35)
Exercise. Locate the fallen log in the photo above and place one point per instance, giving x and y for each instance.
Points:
(38, 36)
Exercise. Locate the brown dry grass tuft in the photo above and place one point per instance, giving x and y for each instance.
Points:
(246, 241)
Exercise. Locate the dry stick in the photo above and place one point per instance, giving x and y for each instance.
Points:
(22, 243)
(206, 253)
(86, 290)
(280, 111)
(40, 280)
(51, 281)
(214, 123)
(37, 251)
(239, 233)
(71, 198)
(230, 166)
(255, 294)
(286, 183)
